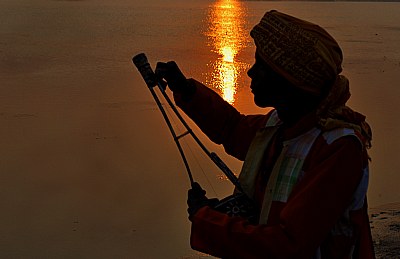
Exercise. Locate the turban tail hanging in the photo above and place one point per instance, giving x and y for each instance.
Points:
(308, 57)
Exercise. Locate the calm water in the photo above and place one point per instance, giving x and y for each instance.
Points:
(88, 167)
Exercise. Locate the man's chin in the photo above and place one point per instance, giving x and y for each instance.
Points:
(261, 104)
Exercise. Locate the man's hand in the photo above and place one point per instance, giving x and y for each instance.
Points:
(176, 80)
(197, 199)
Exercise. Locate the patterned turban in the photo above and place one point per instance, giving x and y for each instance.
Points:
(308, 57)
(302, 52)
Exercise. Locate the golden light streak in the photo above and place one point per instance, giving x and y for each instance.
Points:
(226, 36)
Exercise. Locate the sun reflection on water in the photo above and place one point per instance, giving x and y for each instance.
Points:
(227, 37)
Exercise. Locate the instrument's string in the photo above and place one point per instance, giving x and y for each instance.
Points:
(188, 147)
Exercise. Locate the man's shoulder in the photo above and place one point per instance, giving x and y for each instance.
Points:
(331, 136)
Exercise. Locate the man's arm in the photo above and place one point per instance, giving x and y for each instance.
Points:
(219, 120)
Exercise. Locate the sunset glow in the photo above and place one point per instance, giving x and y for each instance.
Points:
(225, 33)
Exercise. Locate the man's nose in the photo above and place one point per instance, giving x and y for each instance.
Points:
(250, 72)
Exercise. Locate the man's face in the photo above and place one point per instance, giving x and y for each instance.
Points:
(269, 88)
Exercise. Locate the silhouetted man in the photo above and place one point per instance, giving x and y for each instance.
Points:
(305, 162)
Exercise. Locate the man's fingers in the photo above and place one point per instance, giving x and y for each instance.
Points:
(161, 69)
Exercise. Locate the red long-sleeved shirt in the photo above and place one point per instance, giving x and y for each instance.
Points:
(297, 228)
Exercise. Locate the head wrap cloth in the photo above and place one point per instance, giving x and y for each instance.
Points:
(308, 57)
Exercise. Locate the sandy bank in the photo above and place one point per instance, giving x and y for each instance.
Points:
(385, 227)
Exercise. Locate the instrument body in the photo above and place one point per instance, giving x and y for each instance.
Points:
(239, 205)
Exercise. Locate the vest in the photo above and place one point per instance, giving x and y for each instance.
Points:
(287, 170)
